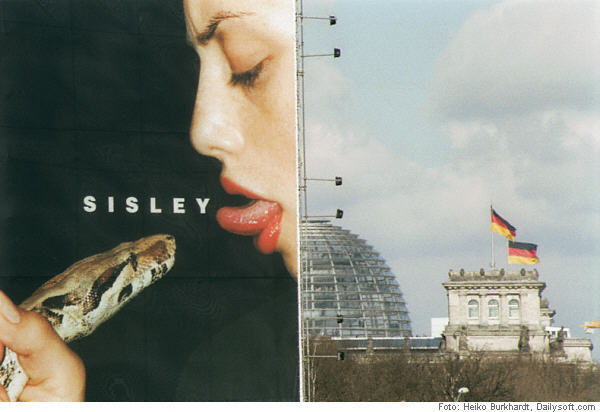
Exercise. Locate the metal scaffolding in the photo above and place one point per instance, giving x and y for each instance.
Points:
(345, 287)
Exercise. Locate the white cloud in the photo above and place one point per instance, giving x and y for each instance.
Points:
(515, 91)
(519, 55)
(519, 91)
(585, 132)
(329, 91)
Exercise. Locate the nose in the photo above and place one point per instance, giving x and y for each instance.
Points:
(216, 122)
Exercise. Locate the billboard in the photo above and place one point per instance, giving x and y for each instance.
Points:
(112, 129)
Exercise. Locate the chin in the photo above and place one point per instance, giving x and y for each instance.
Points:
(287, 246)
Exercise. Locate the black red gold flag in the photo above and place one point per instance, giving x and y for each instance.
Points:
(500, 225)
(522, 253)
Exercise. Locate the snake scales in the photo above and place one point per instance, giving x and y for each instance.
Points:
(89, 292)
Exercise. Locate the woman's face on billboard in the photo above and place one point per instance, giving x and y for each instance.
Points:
(244, 113)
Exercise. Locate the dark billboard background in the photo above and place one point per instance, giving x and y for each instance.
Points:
(96, 99)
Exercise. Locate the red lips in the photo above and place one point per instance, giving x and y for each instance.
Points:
(260, 218)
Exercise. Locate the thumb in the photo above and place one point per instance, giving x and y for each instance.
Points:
(10, 317)
(8, 309)
(55, 372)
(22, 331)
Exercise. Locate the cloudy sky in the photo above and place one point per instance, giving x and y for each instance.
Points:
(437, 109)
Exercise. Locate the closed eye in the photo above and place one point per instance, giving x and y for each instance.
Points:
(246, 79)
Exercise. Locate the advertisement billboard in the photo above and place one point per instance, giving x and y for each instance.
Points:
(113, 129)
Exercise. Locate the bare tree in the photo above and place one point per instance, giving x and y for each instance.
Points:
(405, 376)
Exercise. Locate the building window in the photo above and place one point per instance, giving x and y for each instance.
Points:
(493, 309)
(513, 308)
(473, 309)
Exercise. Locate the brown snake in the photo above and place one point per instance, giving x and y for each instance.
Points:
(89, 292)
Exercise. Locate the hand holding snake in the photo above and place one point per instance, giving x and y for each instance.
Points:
(69, 306)
(55, 372)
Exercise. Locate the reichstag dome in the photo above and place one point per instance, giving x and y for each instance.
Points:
(347, 289)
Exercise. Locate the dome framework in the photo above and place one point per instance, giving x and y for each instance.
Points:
(347, 288)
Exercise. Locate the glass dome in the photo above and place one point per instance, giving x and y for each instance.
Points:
(347, 289)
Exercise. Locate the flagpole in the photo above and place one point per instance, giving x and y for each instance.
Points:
(493, 264)
(493, 258)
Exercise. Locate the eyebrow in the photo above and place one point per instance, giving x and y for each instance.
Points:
(208, 33)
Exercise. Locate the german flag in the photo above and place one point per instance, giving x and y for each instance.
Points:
(501, 226)
(522, 253)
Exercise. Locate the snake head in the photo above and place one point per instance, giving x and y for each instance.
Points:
(92, 290)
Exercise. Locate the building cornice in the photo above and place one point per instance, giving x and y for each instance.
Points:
(493, 279)
(485, 284)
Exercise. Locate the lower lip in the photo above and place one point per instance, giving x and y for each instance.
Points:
(260, 218)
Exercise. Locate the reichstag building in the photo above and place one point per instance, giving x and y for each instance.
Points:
(347, 288)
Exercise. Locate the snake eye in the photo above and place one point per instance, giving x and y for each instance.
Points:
(133, 260)
(125, 293)
(56, 302)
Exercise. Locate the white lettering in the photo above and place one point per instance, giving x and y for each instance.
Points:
(153, 208)
(89, 203)
(202, 205)
(132, 205)
(178, 204)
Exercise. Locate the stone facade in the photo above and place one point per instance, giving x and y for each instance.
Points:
(502, 311)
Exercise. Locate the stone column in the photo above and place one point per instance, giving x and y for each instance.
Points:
(503, 314)
(483, 310)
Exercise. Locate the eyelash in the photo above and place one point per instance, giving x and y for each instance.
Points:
(247, 79)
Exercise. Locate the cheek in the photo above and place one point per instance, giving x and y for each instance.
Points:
(276, 149)
(270, 126)
(274, 127)
(282, 142)
(282, 110)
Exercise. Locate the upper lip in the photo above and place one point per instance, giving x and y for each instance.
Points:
(234, 189)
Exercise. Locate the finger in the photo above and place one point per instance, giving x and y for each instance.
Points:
(54, 371)
(10, 317)
(8, 309)
(3, 395)
(30, 336)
